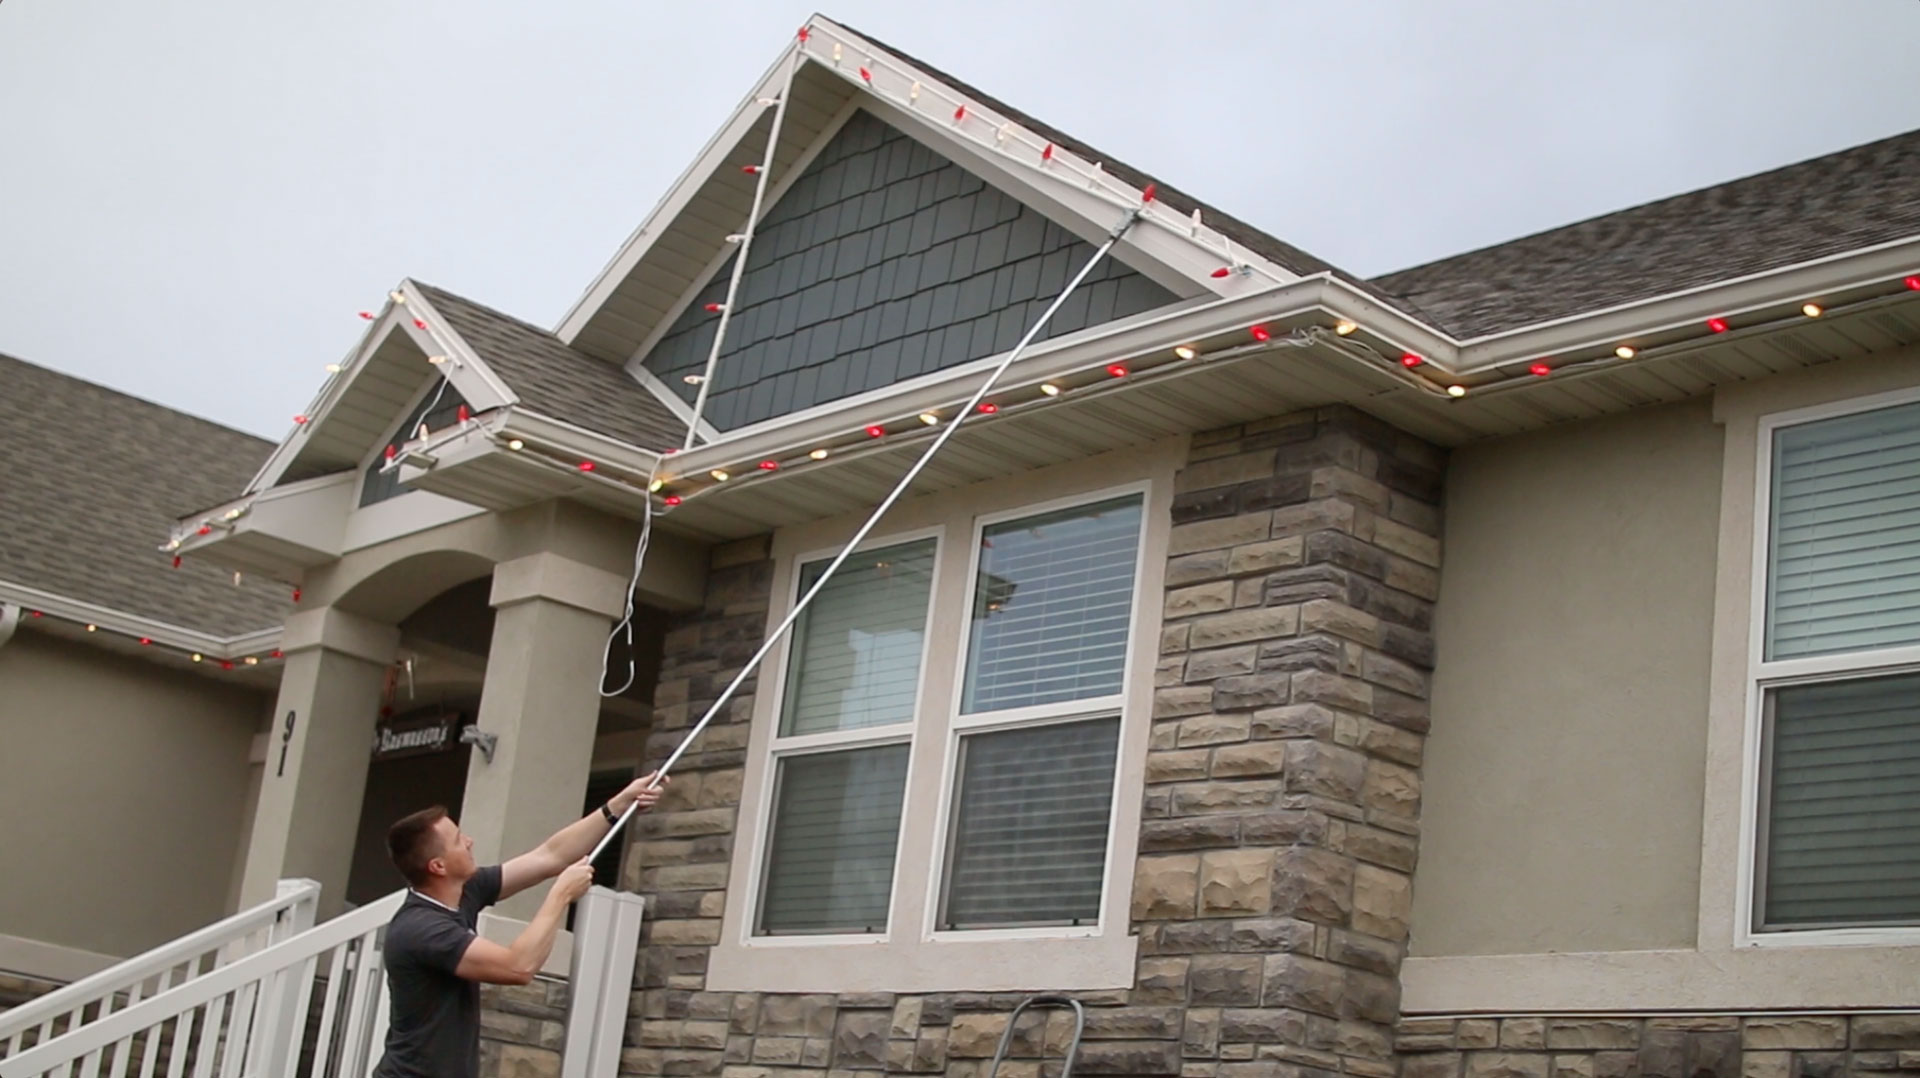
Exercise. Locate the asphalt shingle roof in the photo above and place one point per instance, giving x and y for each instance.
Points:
(1841, 202)
(92, 484)
(558, 382)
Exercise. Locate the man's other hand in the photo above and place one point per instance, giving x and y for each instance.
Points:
(574, 880)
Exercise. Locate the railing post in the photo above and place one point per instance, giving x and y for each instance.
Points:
(606, 941)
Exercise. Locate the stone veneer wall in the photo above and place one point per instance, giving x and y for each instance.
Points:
(1694, 1046)
(1279, 817)
(522, 1029)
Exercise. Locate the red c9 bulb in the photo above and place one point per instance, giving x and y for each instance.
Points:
(1914, 283)
(876, 431)
(586, 466)
(1117, 370)
(1540, 370)
(769, 465)
(1718, 325)
(672, 499)
(1222, 271)
(1411, 361)
(146, 640)
(989, 407)
(1260, 333)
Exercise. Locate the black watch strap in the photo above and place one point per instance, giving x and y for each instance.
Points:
(607, 811)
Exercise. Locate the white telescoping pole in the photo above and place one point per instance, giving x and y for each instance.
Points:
(886, 503)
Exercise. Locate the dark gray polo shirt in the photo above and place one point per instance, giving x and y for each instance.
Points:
(434, 1028)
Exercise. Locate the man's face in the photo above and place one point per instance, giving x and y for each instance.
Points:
(456, 851)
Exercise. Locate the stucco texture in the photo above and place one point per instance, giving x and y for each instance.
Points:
(1565, 768)
(123, 794)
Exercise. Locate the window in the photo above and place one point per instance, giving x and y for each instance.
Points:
(1020, 701)
(439, 407)
(1837, 674)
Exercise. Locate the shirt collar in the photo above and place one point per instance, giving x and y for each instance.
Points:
(430, 898)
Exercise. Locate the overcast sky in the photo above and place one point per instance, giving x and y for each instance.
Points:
(197, 195)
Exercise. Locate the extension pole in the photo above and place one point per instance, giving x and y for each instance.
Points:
(906, 481)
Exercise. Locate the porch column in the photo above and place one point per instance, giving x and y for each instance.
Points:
(541, 700)
(308, 812)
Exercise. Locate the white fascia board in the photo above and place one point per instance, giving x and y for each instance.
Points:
(119, 621)
(1042, 362)
(538, 429)
(1691, 307)
(311, 513)
(469, 374)
(541, 434)
(676, 199)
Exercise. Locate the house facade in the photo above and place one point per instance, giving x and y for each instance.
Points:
(1498, 669)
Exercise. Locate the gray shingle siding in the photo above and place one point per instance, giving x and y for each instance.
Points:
(884, 261)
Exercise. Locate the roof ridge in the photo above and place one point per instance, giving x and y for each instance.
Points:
(132, 398)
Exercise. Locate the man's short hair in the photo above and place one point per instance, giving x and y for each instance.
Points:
(412, 842)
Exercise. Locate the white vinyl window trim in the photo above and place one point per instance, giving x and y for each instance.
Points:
(961, 724)
(783, 747)
(1765, 675)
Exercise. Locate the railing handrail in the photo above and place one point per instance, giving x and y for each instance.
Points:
(178, 1000)
(124, 975)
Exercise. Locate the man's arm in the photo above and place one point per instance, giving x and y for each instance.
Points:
(489, 963)
(574, 841)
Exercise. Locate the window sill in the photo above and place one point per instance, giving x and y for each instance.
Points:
(1901, 936)
(945, 963)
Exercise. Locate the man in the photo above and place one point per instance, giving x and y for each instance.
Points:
(435, 962)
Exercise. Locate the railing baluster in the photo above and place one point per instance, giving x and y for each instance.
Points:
(151, 1055)
(330, 1008)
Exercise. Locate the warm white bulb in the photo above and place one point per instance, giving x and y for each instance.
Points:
(719, 475)
(436, 360)
(333, 368)
(1050, 389)
(693, 379)
(1344, 327)
(929, 418)
(197, 656)
(1456, 391)
(818, 454)
(656, 486)
(1625, 351)
(93, 628)
(1811, 310)
(397, 297)
(1185, 352)
(516, 445)
(253, 660)
(913, 92)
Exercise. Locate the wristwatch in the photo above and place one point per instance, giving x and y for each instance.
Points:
(607, 811)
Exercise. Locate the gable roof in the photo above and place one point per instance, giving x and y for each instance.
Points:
(557, 381)
(94, 476)
(1841, 202)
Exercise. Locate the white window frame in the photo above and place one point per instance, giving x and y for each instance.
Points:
(911, 956)
(780, 747)
(960, 725)
(1763, 674)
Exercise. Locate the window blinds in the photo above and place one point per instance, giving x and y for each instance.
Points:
(1030, 826)
(1844, 568)
(1052, 607)
(1843, 827)
(836, 824)
(855, 659)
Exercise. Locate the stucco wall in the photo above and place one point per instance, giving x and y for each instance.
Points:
(1565, 768)
(123, 790)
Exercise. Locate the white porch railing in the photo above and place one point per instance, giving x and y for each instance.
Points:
(170, 965)
(249, 1017)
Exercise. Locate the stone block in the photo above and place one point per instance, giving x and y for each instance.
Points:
(1616, 1064)
(1184, 765)
(1713, 1054)
(1371, 996)
(1471, 1033)
(1766, 1065)
(1236, 882)
(1243, 626)
(1245, 692)
(1218, 534)
(1194, 568)
(1241, 761)
(1573, 1066)
(1224, 980)
(1128, 1057)
(1383, 903)
(1266, 557)
(1212, 729)
(1523, 1033)
(1663, 1054)
(1224, 471)
(1314, 885)
(1385, 670)
(1169, 671)
(1320, 687)
(1284, 828)
(1591, 1034)
(1262, 1026)
(796, 1015)
(1365, 952)
(1161, 979)
(1432, 1065)
(1293, 721)
(1302, 983)
(1362, 1040)
(906, 1018)
(1392, 789)
(1205, 798)
(1177, 700)
(930, 1051)
(1189, 833)
(703, 1035)
(778, 1051)
(860, 1040)
(1221, 662)
(1173, 639)
(1294, 654)
(1375, 846)
(1322, 770)
(1200, 1033)
(1876, 1032)
(1392, 743)
(1209, 598)
(1508, 1065)
(1805, 1033)
(1165, 887)
(1820, 1065)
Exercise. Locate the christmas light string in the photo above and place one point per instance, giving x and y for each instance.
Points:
(1120, 229)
